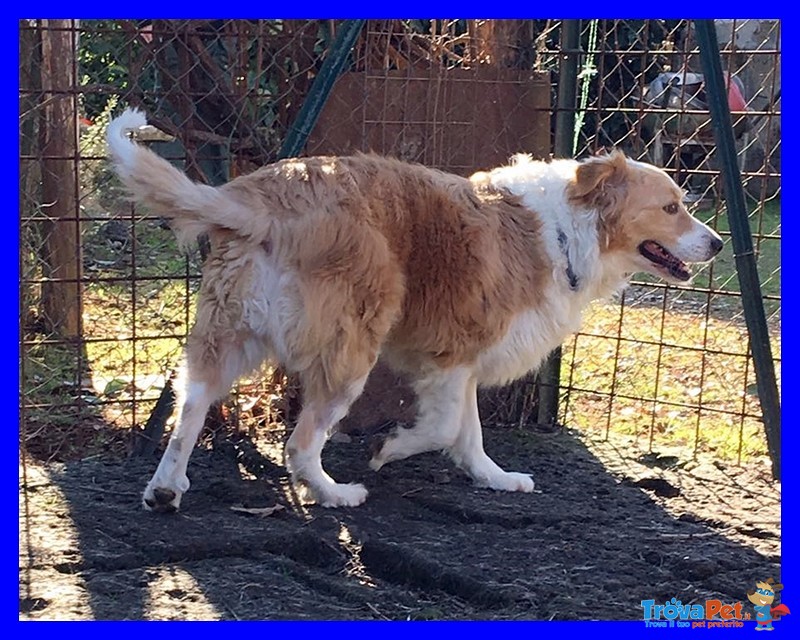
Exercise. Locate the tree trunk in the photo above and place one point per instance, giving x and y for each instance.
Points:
(61, 294)
(495, 42)
(29, 170)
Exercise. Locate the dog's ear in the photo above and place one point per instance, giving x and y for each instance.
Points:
(601, 183)
(597, 175)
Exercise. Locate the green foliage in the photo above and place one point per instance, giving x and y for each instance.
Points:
(98, 184)
(101, 60)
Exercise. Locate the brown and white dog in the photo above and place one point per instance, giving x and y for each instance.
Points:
(325, 263)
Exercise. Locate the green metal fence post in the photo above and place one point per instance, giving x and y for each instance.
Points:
(741, 237)
(321, 89)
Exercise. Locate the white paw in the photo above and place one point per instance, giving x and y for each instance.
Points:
(338, 495)
(510, 481)
(164, 496)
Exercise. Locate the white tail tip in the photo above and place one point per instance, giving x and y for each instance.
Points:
(127, 120)
(118, 142)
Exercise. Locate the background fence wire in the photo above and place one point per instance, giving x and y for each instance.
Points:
(107, 298)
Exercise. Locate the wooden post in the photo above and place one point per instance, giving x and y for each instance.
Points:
(495, 42)
(61, 292)
(29, 170)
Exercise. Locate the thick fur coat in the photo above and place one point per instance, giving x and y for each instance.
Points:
(324, 264)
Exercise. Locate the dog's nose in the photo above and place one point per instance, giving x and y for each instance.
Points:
(716, 245)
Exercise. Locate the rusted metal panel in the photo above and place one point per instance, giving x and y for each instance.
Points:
(458, 120)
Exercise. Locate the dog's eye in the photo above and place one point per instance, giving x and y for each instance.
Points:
(671, 208)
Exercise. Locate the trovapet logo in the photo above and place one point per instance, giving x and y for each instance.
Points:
(711, 614)
(717, 614)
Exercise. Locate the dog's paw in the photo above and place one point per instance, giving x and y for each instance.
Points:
(376, 446)
(510, 481)
(338, 495)
(376, 463)
(164, 497)
(390, 446)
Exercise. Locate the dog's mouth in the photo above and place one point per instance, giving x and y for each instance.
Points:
(664, 261)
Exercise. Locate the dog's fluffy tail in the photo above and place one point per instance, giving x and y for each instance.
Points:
(192, 208)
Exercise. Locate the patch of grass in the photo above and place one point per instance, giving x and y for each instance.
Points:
(648, 375)
(136, 320)
(765, 224)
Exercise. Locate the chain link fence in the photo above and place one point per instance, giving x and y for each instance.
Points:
(666, 366)
(107, 297)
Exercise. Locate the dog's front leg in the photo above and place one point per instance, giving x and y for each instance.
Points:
(468, 453)
(440, 397)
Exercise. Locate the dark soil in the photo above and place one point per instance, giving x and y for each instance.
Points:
(602, 533)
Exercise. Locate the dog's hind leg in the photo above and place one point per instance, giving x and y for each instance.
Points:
(468, 453)
(440, 397)
(319, 416)
(199, 384)
(348, 295)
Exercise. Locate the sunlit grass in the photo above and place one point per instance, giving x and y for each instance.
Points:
(641, 383)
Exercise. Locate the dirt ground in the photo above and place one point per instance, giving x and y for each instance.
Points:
(603, 531)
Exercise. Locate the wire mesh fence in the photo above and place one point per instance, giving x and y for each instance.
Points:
(107, 297)
(666, 365)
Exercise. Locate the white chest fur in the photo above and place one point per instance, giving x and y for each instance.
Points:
(531, 336)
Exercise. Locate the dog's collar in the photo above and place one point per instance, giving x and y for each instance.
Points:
(563, 244)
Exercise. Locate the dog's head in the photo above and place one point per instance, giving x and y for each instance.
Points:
(642, 219)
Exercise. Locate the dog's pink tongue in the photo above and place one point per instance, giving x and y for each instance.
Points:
(656, 249)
